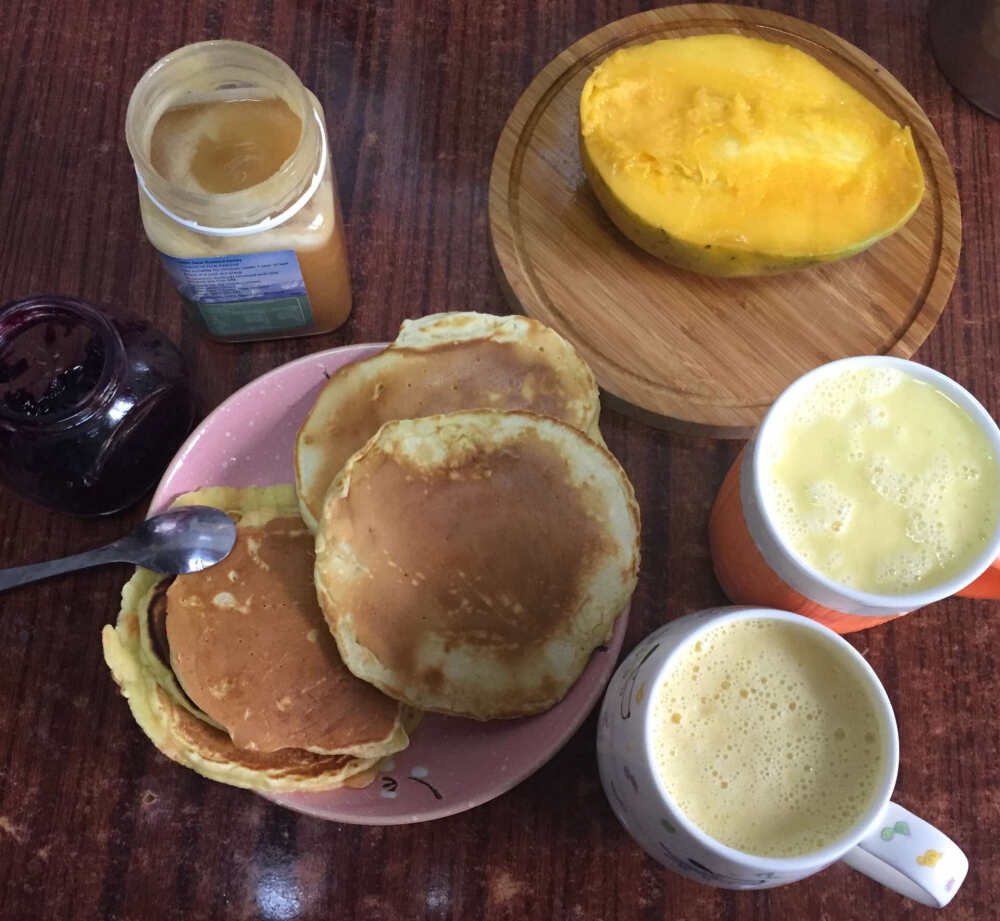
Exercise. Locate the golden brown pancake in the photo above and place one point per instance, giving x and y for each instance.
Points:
(439, 364)
(250, 648)
(470, 563)
(190, 741)
(262, 661)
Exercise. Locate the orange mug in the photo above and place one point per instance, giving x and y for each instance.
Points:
(756, 565)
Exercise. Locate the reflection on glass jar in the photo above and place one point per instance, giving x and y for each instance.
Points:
(93, 404)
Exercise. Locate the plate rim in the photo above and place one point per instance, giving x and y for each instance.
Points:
(158, 501)
(614, 648)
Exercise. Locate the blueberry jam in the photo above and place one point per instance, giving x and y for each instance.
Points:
(93, 404)
(49, 366)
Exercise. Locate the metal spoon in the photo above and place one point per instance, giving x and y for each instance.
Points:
(186, 539)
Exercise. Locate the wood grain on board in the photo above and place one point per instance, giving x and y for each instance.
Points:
(691, 351)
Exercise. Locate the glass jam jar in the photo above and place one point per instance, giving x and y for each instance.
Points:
(93, 404)
(237, 192)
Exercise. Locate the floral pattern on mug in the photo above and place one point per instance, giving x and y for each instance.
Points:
(900, 828)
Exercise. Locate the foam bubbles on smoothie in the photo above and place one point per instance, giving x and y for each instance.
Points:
(835, 396)
(825, 511)
(766, 739)
(905, 571)
(880, 481)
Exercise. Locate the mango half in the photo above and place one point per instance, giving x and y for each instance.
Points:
(729, 155)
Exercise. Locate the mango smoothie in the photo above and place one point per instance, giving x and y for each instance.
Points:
(880, 482)
(767, 738)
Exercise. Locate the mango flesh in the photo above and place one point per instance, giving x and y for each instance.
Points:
(730, 155)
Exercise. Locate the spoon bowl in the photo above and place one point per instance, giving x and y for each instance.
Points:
(182, 540)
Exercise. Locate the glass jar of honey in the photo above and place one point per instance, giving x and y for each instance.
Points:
(237, 192)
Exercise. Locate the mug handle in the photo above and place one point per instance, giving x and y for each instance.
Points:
(911, 857)
(986, 586)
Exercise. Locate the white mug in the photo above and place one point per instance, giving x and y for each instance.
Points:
(887, 843)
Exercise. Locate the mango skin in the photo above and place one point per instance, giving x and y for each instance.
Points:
(720, 261)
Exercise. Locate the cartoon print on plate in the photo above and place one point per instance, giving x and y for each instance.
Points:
(389, 784)
(929, 858)
(418, 774)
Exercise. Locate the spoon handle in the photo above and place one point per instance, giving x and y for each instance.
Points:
(21, 575)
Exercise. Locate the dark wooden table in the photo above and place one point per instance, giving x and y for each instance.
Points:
(94, 823)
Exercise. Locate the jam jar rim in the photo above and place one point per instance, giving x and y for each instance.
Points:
(106, 387)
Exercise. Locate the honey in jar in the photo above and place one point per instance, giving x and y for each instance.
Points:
(237, 192)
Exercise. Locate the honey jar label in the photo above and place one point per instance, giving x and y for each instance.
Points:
(244, 295)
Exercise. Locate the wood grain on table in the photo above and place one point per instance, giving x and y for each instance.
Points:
(94, 823)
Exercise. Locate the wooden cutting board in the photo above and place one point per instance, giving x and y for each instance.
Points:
(685, 351)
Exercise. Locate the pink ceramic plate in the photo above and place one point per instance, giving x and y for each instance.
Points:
(451, 764)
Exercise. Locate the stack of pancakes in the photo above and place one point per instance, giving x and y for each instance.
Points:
(233, 672)
(458, 540)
